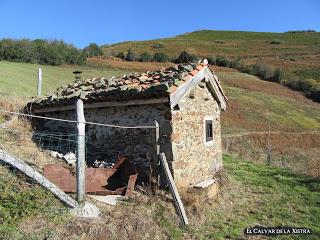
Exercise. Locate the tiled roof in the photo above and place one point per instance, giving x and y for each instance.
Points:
(153, 84)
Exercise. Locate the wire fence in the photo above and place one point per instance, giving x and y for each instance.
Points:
(297, 151)
(34, 152)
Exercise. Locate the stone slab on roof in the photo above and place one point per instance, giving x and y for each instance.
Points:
(151, 84)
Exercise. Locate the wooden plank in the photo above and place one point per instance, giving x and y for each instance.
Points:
(175, 194)
(103, 104)
(186, 87)
(214, 88)
(32, 173)
(81, 155)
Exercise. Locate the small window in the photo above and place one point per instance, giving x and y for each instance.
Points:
(209, 130)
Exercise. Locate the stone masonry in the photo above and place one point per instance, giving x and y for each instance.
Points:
(195, 160)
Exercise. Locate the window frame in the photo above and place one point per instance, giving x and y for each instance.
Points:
(208, 121)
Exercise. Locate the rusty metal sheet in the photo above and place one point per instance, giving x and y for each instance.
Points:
(131, 183)
(65, 178)
(119, 180)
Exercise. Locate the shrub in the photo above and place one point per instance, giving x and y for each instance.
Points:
(93, 50)
(211, 60)
(264, 71)
(160, 57)
(222, 61)
(278, 75)
(121, 55)
(130, 56)
(314, 93)
(236, 63)
(220, 41)
(145, 57)
(275, 41)
(185, 57)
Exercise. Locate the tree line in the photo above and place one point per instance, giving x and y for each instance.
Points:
(184, 57)
(55, 52)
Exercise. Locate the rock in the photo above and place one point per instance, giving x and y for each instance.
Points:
(55, 154)
(70, 158)
(88, 210)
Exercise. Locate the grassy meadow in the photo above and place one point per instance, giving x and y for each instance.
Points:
(20, 79)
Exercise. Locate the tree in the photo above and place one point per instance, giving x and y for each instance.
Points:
(93, 50)
(160, 57)
(185, 57)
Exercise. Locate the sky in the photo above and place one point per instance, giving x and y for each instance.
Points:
(104, 22)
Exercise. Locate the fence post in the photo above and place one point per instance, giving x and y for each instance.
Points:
(39, 81)
(269, 149)
(81, 161)
(156, 164)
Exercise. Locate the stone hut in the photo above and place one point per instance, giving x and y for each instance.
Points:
(186, 101)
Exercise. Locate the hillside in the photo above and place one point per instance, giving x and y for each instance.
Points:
(255, 106)
(284, 49)
(20, 79)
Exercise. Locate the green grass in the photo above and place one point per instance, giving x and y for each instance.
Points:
(20, 79)
(273, 197)
(259, 195)
(254, 104)
(20, 201)
(236, 43)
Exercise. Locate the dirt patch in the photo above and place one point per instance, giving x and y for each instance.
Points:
(135, 66)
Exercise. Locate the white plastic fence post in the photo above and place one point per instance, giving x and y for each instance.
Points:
(39, 81)
(81, 161)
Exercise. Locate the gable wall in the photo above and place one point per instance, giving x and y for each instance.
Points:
(193, 160)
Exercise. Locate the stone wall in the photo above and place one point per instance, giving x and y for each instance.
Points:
(182, 135)
(195, 160)
(106, 143)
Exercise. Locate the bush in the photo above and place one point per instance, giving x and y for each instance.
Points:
(185, 57)
(160, 57)
(275, 41)
(93, 50)
(121, 55)
(130, 56)
(222, 61)
(264, 71)
(145, 57)
(211, 60)
(40, 51)
(236, 64)
(278, 75)
(220, 41)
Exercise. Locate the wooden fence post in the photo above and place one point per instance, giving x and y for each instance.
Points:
(39, 81)
(175, 194)
(81, 161)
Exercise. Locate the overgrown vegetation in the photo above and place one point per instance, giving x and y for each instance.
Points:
(40, 51)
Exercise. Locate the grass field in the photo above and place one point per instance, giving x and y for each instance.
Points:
(300, 50)
(256, 104)
(251, 195)
(20, 79)
(235, 43)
